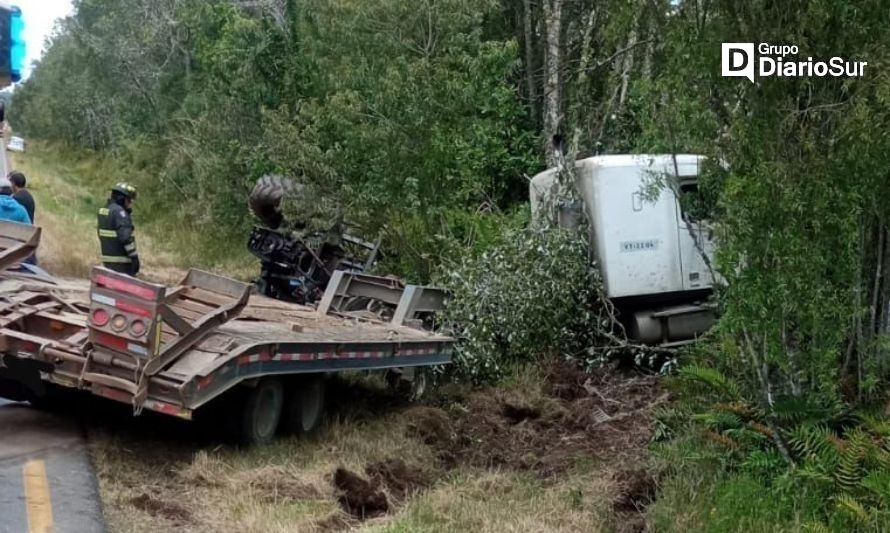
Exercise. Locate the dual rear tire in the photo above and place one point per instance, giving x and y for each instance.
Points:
(271, 408)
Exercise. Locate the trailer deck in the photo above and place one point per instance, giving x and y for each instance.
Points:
(173, 349)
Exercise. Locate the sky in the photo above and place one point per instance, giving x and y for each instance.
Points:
(40, 16)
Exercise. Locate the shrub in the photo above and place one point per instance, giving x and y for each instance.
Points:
(531, 295)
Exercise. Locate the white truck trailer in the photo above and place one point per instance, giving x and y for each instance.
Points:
(654, 258)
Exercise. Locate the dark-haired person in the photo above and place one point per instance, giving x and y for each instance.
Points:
(21, 194)
(13, 210)
(10, 209)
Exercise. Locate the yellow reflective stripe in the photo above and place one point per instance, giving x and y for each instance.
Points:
(103, 211)
(116, 259)
(130, 247)
(158, 339)
(107, 233)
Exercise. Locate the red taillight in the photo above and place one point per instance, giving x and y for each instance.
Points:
(100, 317)
(130, 308)
(119, 323)
(130, 288)
(137, 328)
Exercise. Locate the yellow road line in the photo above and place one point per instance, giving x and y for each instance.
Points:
(40, 511)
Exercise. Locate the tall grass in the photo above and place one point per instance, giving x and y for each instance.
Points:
(69, 187)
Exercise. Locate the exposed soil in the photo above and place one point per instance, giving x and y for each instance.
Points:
(157, 507)
(389, 483)
(401, 480)
(600, 416)
(360, 497)
(636, 490)
(602, 421)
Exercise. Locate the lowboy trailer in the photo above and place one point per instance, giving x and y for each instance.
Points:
(173, 350)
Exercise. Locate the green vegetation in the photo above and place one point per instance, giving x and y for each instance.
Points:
(70, 185)
(779, 416)
(531, 293)
(421, 120)
(404, 131)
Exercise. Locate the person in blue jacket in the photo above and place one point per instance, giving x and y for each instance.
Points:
(10, 209)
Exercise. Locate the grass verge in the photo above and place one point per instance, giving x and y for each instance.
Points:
(70, 187)
(511, 458)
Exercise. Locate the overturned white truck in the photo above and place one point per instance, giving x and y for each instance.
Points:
(655, 258)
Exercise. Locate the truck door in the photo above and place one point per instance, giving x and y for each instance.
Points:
(695, 241)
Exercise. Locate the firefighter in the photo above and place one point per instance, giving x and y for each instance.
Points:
(116, 231)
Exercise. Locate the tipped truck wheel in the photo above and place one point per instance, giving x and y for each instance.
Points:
(261, 412)
(305, 407)
(265, 199)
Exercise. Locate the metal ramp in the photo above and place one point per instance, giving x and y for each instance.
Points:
(17, 242)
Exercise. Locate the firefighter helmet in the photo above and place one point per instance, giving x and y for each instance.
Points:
(125, 189)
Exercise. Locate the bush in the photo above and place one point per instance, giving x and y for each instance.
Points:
(798, 465)
(531, 295)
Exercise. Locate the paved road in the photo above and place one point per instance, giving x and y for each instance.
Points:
(46, 480)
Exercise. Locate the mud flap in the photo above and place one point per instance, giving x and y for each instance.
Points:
(20, 378)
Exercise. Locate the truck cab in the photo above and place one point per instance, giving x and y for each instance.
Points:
(655, 258)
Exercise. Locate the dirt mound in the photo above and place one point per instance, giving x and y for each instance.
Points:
(157, 507)
(635, 490)
(517, 410)
(429, 424)
(389, 483)
(359, 497)
(566, 382)
(601, 415)
(400, 480)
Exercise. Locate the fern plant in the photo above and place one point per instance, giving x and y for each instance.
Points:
(707, 379)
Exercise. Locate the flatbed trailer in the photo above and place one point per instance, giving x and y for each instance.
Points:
(175, 349)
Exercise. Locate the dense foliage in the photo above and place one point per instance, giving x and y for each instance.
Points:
(402, 115)
(421, 121)
(717, 443)
(800, 201)
(533, 293)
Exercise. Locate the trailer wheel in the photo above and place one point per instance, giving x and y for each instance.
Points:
(411, 382)
(419, 384)
(261, 412)
(305, 407)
